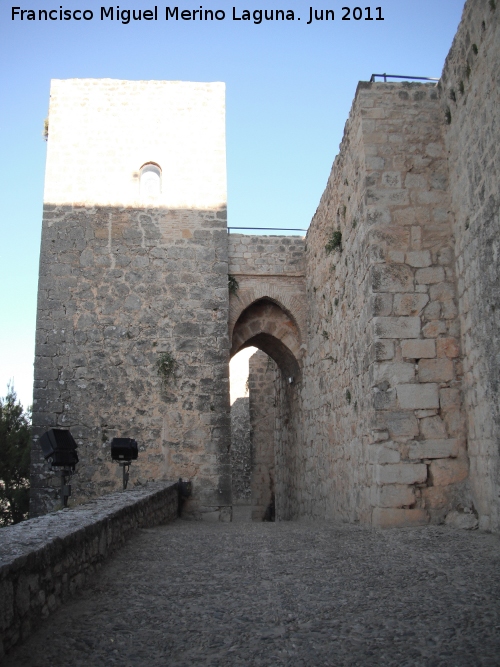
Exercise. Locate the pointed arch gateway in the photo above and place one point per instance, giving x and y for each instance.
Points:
(265, 324)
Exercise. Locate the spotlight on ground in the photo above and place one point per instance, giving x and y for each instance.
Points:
(124, 450)
(59, 449)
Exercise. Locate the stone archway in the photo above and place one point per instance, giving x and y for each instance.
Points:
(266, 325)
(274, 396)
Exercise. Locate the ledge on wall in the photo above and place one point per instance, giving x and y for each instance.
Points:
(44, 560)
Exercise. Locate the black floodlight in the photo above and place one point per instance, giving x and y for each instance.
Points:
(124, 450)
(59, 448)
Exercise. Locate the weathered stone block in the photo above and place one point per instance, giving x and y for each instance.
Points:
(442, 291)
(462, 520)
(398, 518)
(397, 327)
(401, 473)
(431, 427)
(387, 197)
(391, 179)
(435, 370)
(449, 471)
(422, 414)
(448, 347)
(396, 256)
(383, 454)
(432, 311)
(418, 349)
(434, 329)
(381, 305)
(391, 278)
(433, 449)
(449, 398)
(378, 215)
(419, 258)
(382, 350)
(409, 304)
(398, 423)
(418, 181)
(393, 495)
(385, 399)
(418, 396)
(430, 275)
(436, 497)
(392, 372)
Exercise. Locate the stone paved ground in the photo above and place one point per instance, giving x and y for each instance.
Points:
(196, 594)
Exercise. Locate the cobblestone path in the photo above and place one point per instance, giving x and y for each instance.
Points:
(196, 594)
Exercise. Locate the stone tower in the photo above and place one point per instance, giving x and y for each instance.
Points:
(133, 271)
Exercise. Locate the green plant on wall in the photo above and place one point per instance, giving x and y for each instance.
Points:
(232, 285)
(165, 368)
(334, 242)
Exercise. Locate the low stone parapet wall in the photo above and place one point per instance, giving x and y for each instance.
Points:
(43, 561)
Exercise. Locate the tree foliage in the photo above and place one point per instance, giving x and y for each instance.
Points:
(15, 445)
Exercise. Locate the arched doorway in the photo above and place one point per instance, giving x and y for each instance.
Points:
(274, 382)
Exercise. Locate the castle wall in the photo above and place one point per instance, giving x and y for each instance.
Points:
(241, 452)
(262, 423)
(127, 276)
(330, 477)
(290, 465)
(470, 94)
(384, 320)
(383, 435)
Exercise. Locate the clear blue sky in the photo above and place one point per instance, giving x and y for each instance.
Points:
(289, 90)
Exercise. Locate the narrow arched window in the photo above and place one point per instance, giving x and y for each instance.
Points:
(150, 180)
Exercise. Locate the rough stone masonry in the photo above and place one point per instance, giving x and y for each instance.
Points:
(134, 266)
(382, 322)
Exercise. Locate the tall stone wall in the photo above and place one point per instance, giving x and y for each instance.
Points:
(331, 477)
(261, 377)
(127, 276)
(241, 452)
(383, 434)
(470, 93)
(290, 465)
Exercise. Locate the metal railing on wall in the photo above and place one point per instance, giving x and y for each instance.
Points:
(372, 80)
(401, 76)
